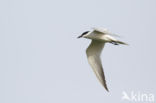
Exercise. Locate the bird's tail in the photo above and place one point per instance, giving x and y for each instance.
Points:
(117, 42)
(120, 42)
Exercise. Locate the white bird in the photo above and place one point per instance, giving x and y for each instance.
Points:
(99, 37)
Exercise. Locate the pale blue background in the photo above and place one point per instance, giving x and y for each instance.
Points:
(41, 61)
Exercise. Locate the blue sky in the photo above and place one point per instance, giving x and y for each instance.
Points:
(42, 61)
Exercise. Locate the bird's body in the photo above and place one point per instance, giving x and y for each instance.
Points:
(99, 37)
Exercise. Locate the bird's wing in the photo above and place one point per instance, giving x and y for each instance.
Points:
(93, 55)
(100, 30)
(104, 31)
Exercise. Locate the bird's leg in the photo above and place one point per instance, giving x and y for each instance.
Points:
(115, 43)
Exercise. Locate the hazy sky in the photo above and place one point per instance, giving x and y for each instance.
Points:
(42, 61)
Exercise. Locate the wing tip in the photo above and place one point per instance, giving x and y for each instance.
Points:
(107, 89)
(105, 86)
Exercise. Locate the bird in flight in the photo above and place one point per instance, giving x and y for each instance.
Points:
(99, 37)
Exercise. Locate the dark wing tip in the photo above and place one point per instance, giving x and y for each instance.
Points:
(104, 83)
(105, 86)
(106, 89)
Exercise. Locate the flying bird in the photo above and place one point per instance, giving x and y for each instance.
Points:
(99, 37)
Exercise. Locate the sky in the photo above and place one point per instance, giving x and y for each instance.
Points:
(42, 61)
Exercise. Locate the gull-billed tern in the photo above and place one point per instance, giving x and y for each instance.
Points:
(99, 37)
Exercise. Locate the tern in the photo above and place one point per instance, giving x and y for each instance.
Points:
(99, 37)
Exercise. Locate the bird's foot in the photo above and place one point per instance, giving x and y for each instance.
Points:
(115, 43)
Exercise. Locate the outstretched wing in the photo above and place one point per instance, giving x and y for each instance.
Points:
(93, 55)
(104, 31)
(100, 30)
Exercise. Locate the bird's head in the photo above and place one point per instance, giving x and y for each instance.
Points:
(83, 34)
